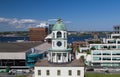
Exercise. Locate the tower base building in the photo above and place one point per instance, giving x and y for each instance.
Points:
(47, 69)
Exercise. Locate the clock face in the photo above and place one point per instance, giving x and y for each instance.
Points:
(59, 43)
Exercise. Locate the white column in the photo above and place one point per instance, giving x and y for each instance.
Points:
(55, 35)
(67, 58)
(62, 34)
(55, 57)
(70, 57)
(48, 56)
(51, 56)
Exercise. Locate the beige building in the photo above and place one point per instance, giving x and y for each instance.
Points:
(14, 54)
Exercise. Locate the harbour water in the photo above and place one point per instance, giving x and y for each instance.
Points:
(13, 39)
(25, 38)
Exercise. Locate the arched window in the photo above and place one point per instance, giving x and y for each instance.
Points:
(59, 34)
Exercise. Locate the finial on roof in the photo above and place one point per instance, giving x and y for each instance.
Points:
(59, 20)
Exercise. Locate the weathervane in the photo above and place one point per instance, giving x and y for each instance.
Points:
(59, 20)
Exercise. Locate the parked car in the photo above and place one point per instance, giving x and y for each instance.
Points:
(12, 72)
(89, 69)
(107, 71)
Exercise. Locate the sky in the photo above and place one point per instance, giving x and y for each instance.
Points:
(78, 15)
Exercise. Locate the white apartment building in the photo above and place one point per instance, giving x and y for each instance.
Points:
(108, 53)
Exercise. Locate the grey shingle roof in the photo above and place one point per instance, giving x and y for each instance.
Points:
(74, 63)
(17, 46)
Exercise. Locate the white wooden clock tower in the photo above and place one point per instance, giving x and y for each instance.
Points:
(59, 53)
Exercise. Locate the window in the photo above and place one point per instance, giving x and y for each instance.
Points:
(115, 53)
(47, 72)
(78, 72)
(96, 53)
(69, 72)
(59, 56)
(64, 54)
(59, 35)
(96, 58)
(106, 53)
(53, 54)
(116, 58)
(106, 58)
(39, 72)
(104, 46)
(58, 72)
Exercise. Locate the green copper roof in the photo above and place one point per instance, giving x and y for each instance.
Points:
(59, 26)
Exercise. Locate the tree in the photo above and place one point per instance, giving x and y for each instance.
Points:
(7, 69)
(82, 58)
(78, 49)
(88, 51)
(93, 48)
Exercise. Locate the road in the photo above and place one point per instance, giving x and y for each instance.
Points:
(6, 75)
(104, 72)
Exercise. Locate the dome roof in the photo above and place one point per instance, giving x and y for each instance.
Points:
(59, 26)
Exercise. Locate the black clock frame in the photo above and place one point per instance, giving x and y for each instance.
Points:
(59, 43)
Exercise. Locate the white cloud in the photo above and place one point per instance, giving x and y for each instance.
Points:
(28, 23)
(24, 21)
(19, 23)
(42, 24)
(13, 22)
(3, 20)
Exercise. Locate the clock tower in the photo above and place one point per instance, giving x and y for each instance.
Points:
(59, 53)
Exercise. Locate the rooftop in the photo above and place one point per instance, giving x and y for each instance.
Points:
(59, 26)
(43, 46)
(74, 63)
(17, 46)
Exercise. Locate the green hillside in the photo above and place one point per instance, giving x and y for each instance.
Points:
(101, 75)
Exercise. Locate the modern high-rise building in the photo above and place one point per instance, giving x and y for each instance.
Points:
(116, 29)
(50, 28)
(38, 34)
